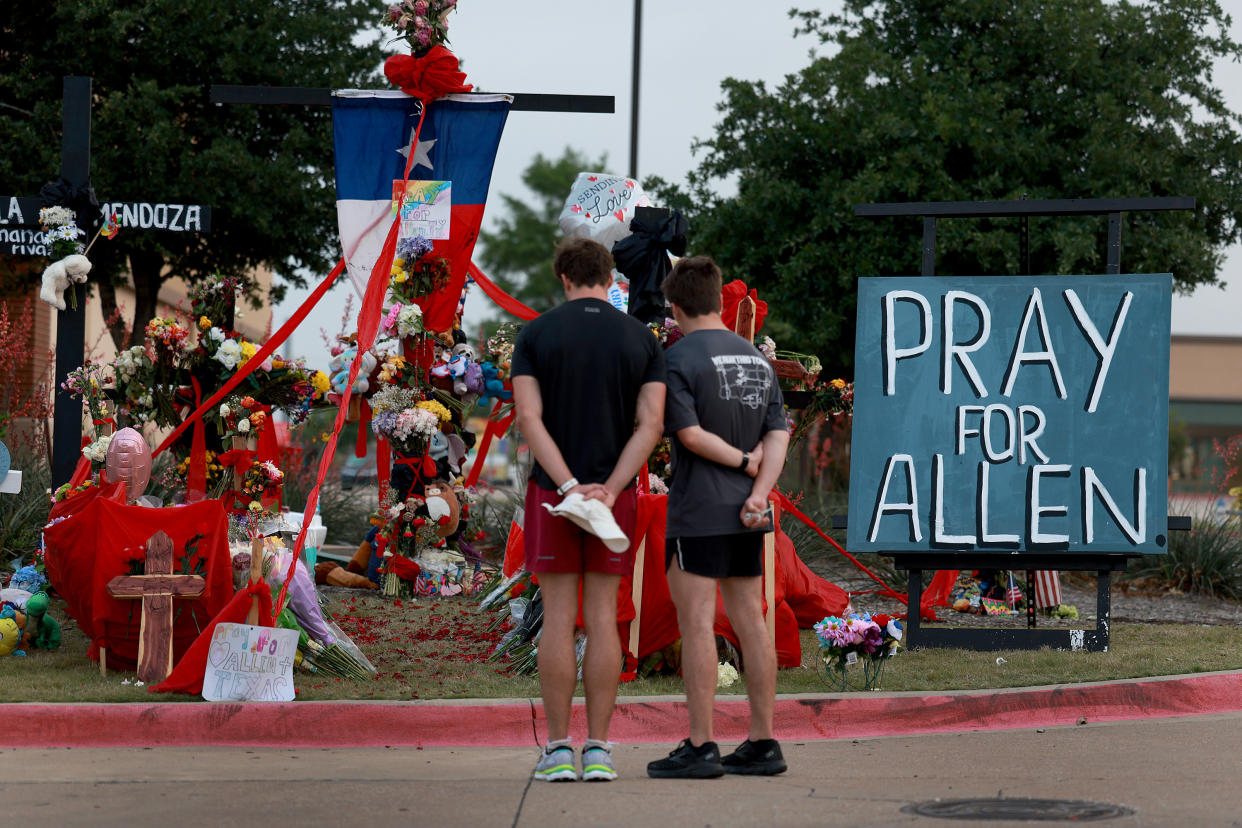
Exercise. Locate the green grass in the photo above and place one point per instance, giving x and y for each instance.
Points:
(438, 649)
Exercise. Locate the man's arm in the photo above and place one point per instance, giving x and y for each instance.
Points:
(775, 442)
(650, 413)
(712, 446)
(528, 400)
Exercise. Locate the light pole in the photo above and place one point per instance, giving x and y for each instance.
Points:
(638, 39)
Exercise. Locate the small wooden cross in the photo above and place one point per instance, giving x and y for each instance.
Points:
(156, 587)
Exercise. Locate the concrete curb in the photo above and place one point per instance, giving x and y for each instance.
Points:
(519, 722)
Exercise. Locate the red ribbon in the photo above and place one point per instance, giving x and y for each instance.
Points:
(494, 429)
(368, 326)
(497, 295)
(431, 76)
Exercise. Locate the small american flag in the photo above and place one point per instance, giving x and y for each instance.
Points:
(1047, 588)
(1014, 594)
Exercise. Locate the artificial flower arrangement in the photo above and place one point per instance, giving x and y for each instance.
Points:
(857, 638)
(421, 23)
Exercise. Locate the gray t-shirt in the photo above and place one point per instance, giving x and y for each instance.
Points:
(721, 382)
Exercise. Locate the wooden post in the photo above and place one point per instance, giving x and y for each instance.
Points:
(745, 324)
(156, 588)
(636, 593)
(256, 576)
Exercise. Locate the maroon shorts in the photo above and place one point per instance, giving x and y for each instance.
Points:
(557, 544)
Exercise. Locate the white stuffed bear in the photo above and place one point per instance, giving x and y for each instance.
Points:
(58, 276)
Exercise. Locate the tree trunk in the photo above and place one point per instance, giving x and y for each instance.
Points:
(147, 269)
(114, 317)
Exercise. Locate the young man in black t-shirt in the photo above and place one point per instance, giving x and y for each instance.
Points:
(588, 384)
(726, 419)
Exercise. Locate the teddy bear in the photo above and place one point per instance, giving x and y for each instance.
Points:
(339, 368)
(492, 384)
(59, 275)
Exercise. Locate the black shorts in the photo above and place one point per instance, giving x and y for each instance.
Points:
(739, 555)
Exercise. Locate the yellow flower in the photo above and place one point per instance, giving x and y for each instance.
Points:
(837, 383)
(399, 277)
(436, 408)
(320, 382)
(204, 322)
(248, 349)
(277, 364)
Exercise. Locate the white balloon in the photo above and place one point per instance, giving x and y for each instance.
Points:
(600, 207)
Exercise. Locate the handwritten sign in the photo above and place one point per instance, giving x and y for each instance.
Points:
(248, 663)
(1011, 414)
(427, 210)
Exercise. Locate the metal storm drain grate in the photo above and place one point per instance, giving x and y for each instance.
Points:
(1016, 809)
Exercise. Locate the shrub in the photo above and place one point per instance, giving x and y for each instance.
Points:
(1206, 560)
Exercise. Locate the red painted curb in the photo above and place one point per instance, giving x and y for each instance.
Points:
(520, 723)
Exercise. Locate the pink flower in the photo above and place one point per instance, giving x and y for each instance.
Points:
(389, 322)
(420, 6)
(423, 37)
(394, 12)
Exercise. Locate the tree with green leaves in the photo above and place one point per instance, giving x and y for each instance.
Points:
(969, 100)
(517, 252)
(266, 171)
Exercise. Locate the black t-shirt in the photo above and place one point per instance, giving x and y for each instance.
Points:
(590, 360)
(721, 382)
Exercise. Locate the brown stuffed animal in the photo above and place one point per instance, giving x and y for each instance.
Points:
(442, 503)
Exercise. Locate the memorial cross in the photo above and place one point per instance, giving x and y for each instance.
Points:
(156, 588)
(19, 216)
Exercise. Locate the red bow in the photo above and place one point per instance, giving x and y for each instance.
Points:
(731, 295)
(237, 459)
(431, 76)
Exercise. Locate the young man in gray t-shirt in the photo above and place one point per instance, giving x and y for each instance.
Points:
(726, 420)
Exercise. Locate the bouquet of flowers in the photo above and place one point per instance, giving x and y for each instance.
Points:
(417, 271)
(421, 23)
(60, 227)
(402, 321)
(214, 297)
(89, 383)
(407, 422)
(834, 399)
(859, 637)
(241, 416)
(262, 479)
(667, 332)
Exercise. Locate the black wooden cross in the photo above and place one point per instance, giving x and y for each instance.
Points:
(19, 220)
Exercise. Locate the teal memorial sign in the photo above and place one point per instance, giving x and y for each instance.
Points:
(1011, 414)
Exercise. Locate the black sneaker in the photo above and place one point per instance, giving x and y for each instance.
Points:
(688, 762)
(761, 758)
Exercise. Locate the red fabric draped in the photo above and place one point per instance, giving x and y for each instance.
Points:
(502, 299)
(431, 76)
(187, 676)
(100, 539)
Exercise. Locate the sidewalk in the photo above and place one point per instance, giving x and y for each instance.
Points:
(651, 719)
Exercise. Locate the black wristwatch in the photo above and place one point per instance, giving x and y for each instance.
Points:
(745, 461)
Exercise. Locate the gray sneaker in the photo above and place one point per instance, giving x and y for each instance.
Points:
(557, 765)
(597, 764)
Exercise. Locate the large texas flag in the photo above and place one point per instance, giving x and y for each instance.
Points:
(457, 145)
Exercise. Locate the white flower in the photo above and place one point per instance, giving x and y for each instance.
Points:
(726, 674)
(409, 320)
(97, 451)
(225, 410)
(768, 347)
(216, 335)
(243, 425)
(229, 353)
